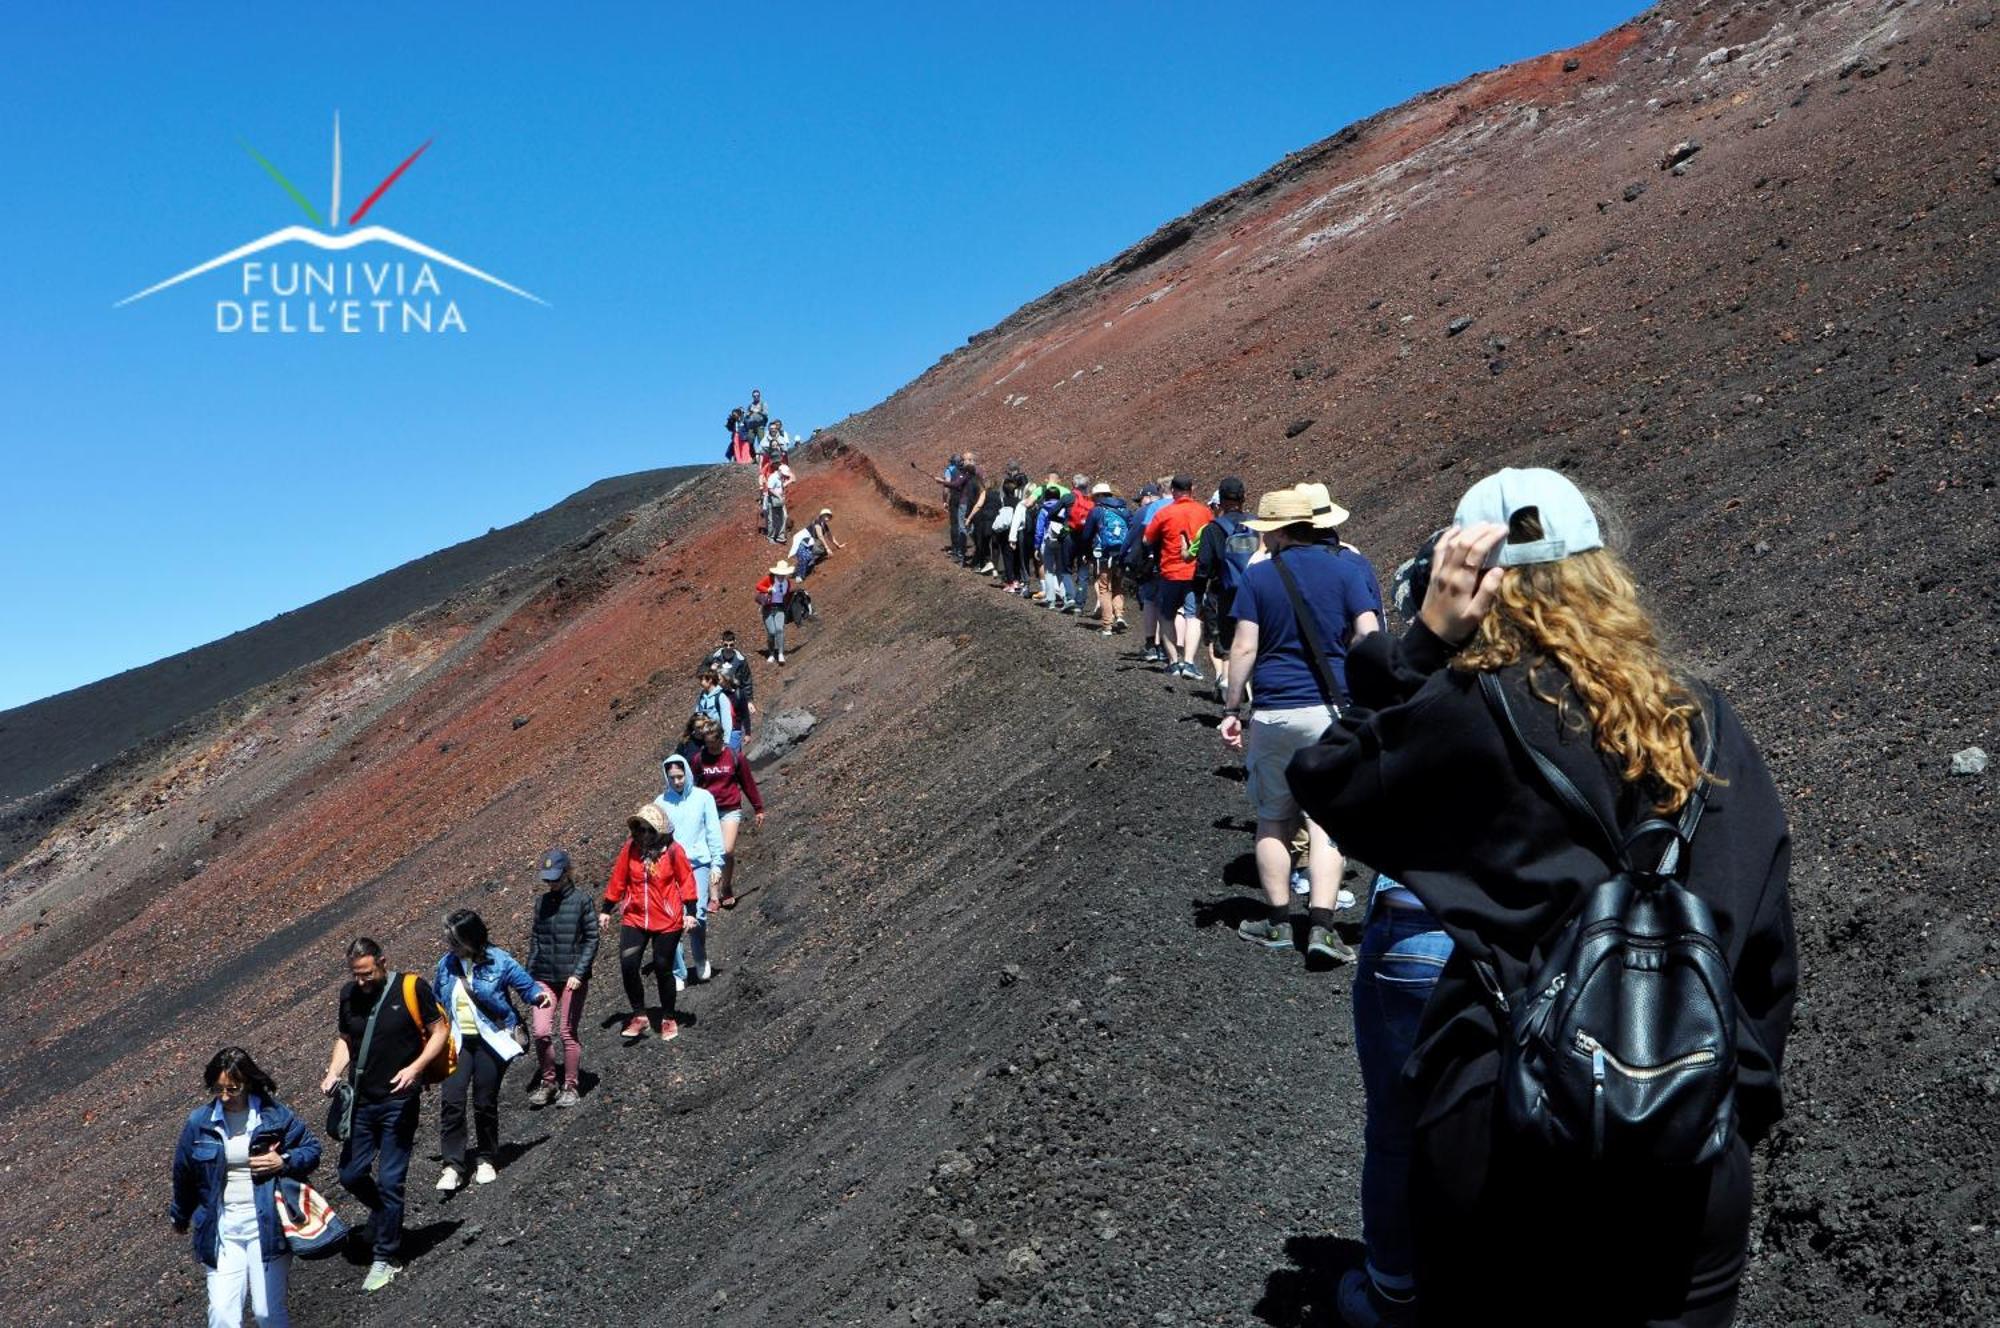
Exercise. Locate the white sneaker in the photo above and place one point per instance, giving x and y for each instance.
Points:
(484, 1174)
(450, 1178)
(680, 983)
(1300, 885)
(707, 970)
(1344, 900)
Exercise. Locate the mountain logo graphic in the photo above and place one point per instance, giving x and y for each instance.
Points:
(326, 234)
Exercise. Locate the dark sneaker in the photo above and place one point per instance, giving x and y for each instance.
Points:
(1118, 625)
(1262, 931)
(1325, 950)
(1362, 1306)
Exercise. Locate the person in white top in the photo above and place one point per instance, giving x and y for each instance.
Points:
(232, 1151)
(778, 478)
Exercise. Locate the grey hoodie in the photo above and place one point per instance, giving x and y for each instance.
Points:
(697, 826)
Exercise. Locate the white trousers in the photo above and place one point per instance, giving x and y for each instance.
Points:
(241, 1274)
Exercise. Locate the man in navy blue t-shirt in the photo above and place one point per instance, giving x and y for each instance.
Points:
(1294, 705)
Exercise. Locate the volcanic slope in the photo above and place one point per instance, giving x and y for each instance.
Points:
(47, 741)
(1780, 360)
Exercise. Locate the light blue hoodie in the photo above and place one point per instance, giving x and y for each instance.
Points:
(697, 826)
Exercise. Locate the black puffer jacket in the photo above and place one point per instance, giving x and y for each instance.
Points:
(562, 939)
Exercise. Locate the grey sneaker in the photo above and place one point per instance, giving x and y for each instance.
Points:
(1325, 950)
(380, 1274)
(541, 1095)
(567, 1098)
(1262, 931)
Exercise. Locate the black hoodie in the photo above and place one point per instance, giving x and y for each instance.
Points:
(1424, 785)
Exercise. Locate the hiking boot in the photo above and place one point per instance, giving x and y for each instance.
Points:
(1262, 931)
(1362, 1305)
(451, 1178)
(380, 1274)
(541, 1095)
(635, 1028)
(669, 1030)
(1325, 950)
(484, 1174)
(567, 1098)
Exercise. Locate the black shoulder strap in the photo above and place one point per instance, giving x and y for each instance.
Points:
(1573, 801)
(354, 1066)
(1309, 632)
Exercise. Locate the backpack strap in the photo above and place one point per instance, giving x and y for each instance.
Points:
(1309, 631)
(1566, 794)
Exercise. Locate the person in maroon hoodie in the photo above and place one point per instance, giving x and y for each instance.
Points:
(726, 774)
(650, 883)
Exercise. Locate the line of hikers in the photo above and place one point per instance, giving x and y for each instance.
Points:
(1573, 988)
(242, 1159)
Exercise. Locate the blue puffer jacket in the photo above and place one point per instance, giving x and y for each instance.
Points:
(489, 982)
(200, 1172)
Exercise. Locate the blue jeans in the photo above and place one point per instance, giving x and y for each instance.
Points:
(1402, 953)
(375, 1163)
(695, 933)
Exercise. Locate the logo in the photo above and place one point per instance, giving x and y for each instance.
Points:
(346, 295)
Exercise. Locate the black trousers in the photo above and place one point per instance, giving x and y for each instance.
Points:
(477, 1077)
(1497, 1223)
(632, 943)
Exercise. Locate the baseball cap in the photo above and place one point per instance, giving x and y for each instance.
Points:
(1231, 489)
(554, 863)
(1568, 524)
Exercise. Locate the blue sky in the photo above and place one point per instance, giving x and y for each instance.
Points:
(818, 200)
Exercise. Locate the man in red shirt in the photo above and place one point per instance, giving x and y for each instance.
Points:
(1175, 531)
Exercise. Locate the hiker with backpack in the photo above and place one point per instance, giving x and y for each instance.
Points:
(1058, 580)
(755, 416)
(1297, 612)
(714, 702)
(739, 451)
(1227, 546)
(646, 895)
(562, 946)
(473, 979)
(1601, 839)
(734, 666)
(772, 591)
(1106, 532)
(1174, 533)
(778, 479)
(390, 1041)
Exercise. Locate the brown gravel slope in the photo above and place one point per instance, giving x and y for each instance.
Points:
(1782, 364)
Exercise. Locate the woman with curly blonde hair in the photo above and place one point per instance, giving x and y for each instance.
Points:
(1422, 783)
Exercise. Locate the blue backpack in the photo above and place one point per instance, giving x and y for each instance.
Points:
(1238, 547)
(1114, 529)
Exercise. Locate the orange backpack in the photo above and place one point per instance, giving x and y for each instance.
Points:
(441, 1068)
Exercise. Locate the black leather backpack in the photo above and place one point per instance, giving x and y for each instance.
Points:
(1621, 1048)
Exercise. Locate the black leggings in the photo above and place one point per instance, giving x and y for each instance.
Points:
(632, 943)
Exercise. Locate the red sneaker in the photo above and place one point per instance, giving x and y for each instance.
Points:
(669, 1030)
(635, 1028)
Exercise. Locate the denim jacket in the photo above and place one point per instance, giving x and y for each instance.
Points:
(201, 1172)
(489, 982)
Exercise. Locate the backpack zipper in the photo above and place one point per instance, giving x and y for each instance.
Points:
(1599, 1057)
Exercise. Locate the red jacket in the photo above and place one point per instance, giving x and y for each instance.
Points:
(727, 776)
(652, 897)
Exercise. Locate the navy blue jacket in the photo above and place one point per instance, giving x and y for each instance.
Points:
(200, 1172)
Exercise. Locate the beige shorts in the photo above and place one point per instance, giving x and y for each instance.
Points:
(1269, 741)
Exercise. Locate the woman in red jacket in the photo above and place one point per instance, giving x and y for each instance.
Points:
(726, 774)
(649, 884)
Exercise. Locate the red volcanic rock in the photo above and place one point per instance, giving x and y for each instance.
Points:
(981, 1047)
